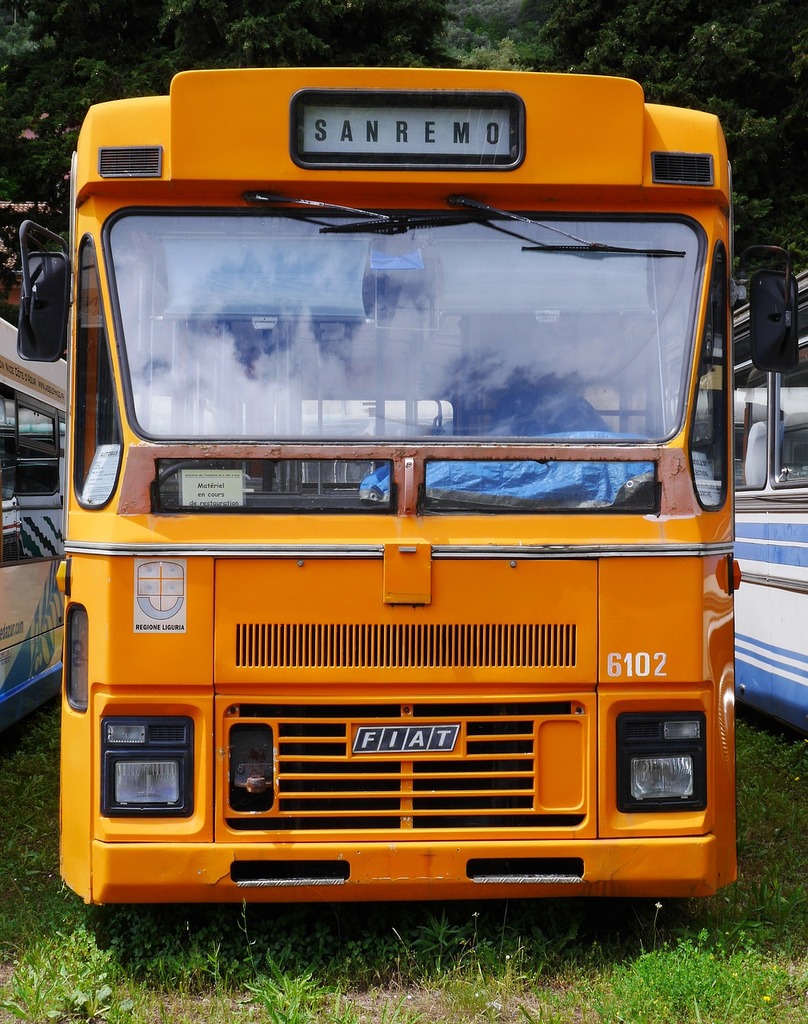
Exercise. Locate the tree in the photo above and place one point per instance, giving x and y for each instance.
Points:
(261, 33)
(61, 56)
(747, 63)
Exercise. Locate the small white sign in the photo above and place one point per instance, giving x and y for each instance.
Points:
(212, 488)
(101, 477)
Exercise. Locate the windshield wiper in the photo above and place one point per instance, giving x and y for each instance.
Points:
(379, 223)
(600, 249)
(272, 197)
(581, 247)
(395, 224)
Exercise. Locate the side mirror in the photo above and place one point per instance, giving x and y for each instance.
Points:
(773, 320)
(773, 325)
(45, 295)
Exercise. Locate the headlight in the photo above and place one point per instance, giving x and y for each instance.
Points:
(661, 762)
(657, 778)
(250, 767)
(147, 782)
(147, 766)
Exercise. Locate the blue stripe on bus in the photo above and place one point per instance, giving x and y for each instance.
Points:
(766, 686)
(772, 655)
(773, 530)
(778, 554)
(772, 553)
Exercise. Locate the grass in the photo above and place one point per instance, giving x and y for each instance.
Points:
(741, 956)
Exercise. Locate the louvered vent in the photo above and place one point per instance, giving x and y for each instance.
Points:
(358, 645)
(682, 168)
(130, 161)
(643, 730)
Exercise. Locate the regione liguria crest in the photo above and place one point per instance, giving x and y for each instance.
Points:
(160, 595)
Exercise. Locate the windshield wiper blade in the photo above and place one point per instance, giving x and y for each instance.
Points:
(272, 197)
(599, 249)
(394, 224)
(582, 246)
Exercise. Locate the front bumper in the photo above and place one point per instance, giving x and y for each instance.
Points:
(327, 872)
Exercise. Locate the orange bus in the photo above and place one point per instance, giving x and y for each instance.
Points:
(399, 516)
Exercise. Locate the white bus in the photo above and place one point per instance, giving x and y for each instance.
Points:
(771, 473)
(32, 422)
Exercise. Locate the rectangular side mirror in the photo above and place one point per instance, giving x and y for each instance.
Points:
(45, 296)
(773, 319)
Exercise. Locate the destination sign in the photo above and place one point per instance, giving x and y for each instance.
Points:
(405, 739)
(449, 130)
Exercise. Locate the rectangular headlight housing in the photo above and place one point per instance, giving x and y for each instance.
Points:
(661, 762)
(147, 766)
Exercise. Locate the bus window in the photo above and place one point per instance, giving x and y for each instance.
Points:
(96, 427)
(31, 408)
(751, 430)
(708, 445)
(791, 448)
(8, 440)
(38, 453)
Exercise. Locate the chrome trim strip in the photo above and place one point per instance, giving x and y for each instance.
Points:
(439, 551)
(527, 879)
(777, 582)
(228, 551)
(768, 501)
(637, 550)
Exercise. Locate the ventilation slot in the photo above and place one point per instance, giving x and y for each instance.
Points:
(130, 161)
(682, 168)
(277, 873)
(642, 730)
(171, 734)
(528, 870)
(358, 645)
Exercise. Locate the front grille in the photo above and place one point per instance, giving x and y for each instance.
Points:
(427, 645)
(488, 780)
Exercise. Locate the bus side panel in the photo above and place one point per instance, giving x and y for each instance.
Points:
(136, 643)
(121, 660)
(685, 615)
(76, 807)
(30, 638)
(772, 604)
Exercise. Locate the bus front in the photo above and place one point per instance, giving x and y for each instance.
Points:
(399, 527)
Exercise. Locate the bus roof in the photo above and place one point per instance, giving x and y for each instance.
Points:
(223, 133)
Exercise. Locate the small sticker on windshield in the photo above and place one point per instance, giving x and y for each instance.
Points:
(212, 488)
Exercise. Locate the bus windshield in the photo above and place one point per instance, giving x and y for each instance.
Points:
(246, 325)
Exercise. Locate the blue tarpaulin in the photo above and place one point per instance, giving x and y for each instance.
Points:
(547, 483)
